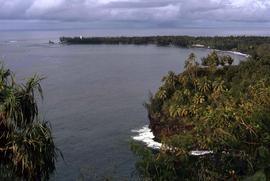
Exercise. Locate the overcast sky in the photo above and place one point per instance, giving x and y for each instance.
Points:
(140, 13)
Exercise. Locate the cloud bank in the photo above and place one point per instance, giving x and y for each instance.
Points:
(137, 10)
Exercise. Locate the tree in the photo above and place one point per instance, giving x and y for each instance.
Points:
(226, 60)
(211, 61)
(27, 149)
(170, 80)
(191, 61)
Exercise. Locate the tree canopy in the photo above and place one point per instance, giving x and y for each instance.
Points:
(213, 106)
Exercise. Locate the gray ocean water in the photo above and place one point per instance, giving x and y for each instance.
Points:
(93, 96)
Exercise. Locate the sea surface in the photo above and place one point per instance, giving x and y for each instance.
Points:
(93, 96)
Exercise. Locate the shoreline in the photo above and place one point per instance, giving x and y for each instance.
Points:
(233, 52)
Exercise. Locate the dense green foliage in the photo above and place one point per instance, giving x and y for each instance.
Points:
(27, 150)
(245, 44)
(215, 106)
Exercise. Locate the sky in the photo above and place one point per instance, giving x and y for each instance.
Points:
(133, 13)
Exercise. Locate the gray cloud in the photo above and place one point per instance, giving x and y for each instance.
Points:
(160, 11)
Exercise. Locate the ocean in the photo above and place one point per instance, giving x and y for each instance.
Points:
(93, 95)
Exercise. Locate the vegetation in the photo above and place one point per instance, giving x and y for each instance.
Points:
(244, 44)
(27, 150)
(213, 106)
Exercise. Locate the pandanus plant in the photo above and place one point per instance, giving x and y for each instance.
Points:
(27, 149)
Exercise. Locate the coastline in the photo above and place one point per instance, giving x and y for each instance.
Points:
(182, 41)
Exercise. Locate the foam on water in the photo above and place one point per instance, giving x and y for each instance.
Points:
(146, 136)
(12, 41)
(239, 53)
(200, 153)
(233, 53)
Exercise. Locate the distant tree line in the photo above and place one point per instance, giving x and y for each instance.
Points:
(245, 44)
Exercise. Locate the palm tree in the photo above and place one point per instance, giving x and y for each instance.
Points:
(191, 66)
(211, 61)
(191, 61)
(27, 150)
(204, 85)
(226, 60)
(170, 80)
